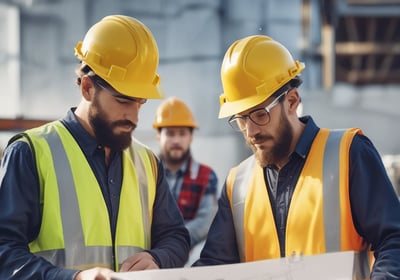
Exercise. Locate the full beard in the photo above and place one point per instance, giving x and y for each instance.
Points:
(168, 158)
(280, 150)
(104, 130)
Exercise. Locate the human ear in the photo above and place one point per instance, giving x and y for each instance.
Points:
(87, 88)
(293, 99)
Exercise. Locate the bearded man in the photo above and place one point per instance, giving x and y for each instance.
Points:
(80, 197)
(194, 185)
(306, 190)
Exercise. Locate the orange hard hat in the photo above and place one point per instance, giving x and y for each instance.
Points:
(174, 112)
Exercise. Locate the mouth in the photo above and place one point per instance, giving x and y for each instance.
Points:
(258, 140)
(176, 152)
(126, 128)
(261, 142)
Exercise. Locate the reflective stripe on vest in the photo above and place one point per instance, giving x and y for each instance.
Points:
(331, 191)
(58, 154)
(248, 173)
(240, 187)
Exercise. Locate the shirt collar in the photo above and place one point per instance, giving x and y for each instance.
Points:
(307, 137)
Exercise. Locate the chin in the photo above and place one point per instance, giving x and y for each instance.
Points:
(176, 158)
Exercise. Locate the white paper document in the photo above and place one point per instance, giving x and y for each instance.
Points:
(331, 266)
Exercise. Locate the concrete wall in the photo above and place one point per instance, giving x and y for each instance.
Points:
(193, 36)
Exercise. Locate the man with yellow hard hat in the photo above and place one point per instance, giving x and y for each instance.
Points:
(306, 190)
(79, 197)
(194, 185)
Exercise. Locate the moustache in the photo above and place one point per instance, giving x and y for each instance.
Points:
(260, 138)
(124, 123)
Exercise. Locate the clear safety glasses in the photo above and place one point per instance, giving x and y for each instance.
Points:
(260, 116)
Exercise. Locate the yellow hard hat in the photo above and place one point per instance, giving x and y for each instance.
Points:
(123, 51)
(252, 70)
(174, 112)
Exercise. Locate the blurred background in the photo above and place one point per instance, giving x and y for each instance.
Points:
(351, 49)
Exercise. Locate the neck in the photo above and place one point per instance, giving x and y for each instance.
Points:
(107, 155)
(173, 167)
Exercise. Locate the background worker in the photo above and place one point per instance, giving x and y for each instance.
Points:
(306, 190)
(193, 185)
(79, 197)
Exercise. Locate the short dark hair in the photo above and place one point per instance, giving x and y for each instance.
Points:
(293, 83)
(85, 70)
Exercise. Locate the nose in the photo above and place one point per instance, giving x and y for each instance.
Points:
(175, 139)
(132, 113)
(252, 129)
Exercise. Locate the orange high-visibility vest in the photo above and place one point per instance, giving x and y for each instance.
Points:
(319, 217)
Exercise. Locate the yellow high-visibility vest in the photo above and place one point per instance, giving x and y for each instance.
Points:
(319, 217)
(75, 231)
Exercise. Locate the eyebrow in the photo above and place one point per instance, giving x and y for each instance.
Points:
(116, 94)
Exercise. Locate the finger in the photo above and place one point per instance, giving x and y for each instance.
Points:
(128, 265)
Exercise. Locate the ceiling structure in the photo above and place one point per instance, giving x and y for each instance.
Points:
(363, 46)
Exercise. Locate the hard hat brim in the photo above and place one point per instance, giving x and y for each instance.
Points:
(157, 126)
(232, 108)
(139, 90)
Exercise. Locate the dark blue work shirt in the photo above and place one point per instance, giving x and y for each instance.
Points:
(20, 209)
(374, 203)
(281, 183)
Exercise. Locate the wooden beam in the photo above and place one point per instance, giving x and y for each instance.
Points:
(372, 2)
(20, 124)
(367, 48)
(365, 76)
(389, 58)
(328, 59)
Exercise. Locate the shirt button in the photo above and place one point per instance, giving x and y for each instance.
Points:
(112, 181)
